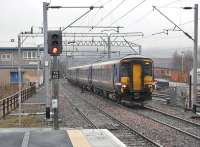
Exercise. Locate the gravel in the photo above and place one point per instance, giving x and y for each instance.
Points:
(160, 133)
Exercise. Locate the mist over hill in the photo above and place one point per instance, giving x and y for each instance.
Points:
(163, 52)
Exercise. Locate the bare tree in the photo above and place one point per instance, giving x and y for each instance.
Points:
(176, 61)
(187, 61)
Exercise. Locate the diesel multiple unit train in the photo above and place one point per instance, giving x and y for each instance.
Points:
(129, 78)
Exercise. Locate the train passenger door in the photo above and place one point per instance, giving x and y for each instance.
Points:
(114, 75)
(90, 74)
(137, 77)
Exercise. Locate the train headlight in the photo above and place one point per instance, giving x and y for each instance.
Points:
(124, 85)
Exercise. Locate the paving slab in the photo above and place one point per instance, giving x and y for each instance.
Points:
(9, 139)
(47, 137)
(102, 138)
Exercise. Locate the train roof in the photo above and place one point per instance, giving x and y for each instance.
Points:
(110, 61)
(133, 56)
(106, 62)
(82, 66)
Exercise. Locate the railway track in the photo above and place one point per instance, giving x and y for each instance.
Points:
(128, 135)
(182, 125)
(124, 126)
(154, 130)
(161, 97)
(185, 126)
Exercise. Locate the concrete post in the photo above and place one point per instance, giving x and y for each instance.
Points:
(46, 58)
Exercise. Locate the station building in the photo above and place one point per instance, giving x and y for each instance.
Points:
(30, 61)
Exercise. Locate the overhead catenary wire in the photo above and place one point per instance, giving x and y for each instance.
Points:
(103, 5)
(170, 3)
(176, 26)
(108, 1)
(110, 12)
(187, 22)
(97, 2)
(128, 12)
(91, 8)
(144, 16)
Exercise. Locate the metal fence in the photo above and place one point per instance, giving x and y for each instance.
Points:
(10, 103)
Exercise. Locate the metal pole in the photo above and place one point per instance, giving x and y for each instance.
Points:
(190, 93)
(55, 88)
(182, 66)
(109, 47)
(182, 62)
(195, 54)
(140, 50)
(19, 78)
(38, 65)
(66, 66)
(46, 59)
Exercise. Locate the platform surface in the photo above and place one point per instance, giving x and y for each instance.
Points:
(46, 137)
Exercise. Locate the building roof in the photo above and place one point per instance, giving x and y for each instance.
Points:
(23, 48)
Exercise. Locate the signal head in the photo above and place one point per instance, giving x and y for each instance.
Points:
(54, 43)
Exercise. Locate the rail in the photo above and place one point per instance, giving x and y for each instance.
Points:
(10, 103)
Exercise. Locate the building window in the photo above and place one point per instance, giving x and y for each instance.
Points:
(5, 57)
(30, 55)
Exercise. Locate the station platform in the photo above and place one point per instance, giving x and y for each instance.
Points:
(46, 137)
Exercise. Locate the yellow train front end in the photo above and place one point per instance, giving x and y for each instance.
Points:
(136, 78)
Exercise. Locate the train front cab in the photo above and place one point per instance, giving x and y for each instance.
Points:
(136, 78)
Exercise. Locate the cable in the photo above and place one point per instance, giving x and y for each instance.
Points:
(99, 11)
(145, 37)
(165, 5)
(144, 16)
(129, 11)
(103, 5)
(187, 22)
(107, 2)
(97, 2)
(78, 18)
(110, 12)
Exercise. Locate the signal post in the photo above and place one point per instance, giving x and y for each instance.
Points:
(55, 49)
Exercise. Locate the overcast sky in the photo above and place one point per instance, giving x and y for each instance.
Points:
(19, 15)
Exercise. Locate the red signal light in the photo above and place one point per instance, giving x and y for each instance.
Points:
(55, 50)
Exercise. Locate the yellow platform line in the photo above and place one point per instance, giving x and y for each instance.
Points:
(77, 138)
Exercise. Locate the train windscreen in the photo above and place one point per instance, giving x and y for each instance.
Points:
(147, 68)
(124, 70)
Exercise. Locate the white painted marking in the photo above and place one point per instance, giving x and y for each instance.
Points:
(25, 139)
(114, 138)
